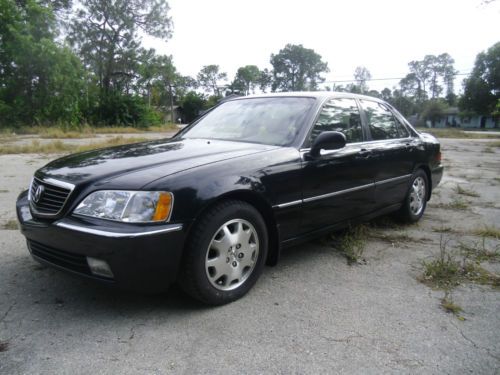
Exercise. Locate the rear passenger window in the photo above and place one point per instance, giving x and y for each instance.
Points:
(341, 115)
(381, 121)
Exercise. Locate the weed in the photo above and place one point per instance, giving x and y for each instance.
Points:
(488, 150)
(456, 204)
(4, 191)
(479, 252)
(4, 346)
(449, 306)
(351, 243)
(11, 225)
(488, 231)
(443, 230)
(463, 191)
(477, 274)
(459, 204)
(394, 237)
(444, 271)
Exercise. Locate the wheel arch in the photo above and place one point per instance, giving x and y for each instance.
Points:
(428, 173)
(262, 206)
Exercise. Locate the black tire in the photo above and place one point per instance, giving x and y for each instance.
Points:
(409, 212)
(199, 279)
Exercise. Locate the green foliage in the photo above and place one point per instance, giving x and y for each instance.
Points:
(361, 75)
(433, 110)
(41, 81)
(246, 79)
(482, 88)
(125, 110)
(296, 68)
(192, 104)
(209, 77)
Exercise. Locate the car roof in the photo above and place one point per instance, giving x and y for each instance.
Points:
(310, 94)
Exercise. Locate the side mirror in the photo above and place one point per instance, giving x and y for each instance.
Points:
(327, 141)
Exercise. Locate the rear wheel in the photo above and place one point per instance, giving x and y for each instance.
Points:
(225, 254)
(416, 199)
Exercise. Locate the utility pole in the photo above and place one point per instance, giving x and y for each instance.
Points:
(171, 103)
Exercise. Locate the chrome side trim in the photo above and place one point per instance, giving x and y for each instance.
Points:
(406, 176)
(288, 204)
(105, 233)
(340, 192)
(318, 197)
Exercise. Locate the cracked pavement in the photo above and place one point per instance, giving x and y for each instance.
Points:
(312, 313)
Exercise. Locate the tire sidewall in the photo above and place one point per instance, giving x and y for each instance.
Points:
(408, 212)
(200, 247)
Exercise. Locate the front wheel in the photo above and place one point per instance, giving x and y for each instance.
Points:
(416, 199)
(225, 254)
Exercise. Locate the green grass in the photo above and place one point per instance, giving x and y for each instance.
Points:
(84, 131)
(456, 204)
(397, 237)
(488, 231)
(445, 271)
(463, 191)
(10, 225)
(479, 251)
(450, 307)
(59, 147)
(351, 243)
(456, 133)
(443, 229)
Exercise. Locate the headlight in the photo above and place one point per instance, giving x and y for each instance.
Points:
(127, 206)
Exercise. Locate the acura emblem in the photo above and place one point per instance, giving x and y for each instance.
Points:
(38, 193)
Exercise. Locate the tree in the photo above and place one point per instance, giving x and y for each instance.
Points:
(192, 104)
(107, 35)
(361, 75)
(434, 110)
(429, 73)
(265, 79)
(246, 79)
(482, 87)
(209, 78)
(386, 94)
(296, 68)
(40, 80)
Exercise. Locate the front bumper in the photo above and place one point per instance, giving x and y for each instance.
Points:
(436, 175)
(144, 258)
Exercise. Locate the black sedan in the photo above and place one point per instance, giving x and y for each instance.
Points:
(214, 204)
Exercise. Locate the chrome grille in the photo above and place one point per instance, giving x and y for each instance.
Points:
(52, 198)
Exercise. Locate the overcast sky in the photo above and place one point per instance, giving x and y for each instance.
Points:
(382, 35)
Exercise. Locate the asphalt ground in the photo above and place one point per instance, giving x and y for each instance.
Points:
(313, 313)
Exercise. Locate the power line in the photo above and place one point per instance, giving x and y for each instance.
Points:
(380, 79)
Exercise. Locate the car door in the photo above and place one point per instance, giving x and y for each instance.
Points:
(338, 184)
(393, 151)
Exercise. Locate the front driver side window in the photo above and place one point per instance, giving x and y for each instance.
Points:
(341, 115)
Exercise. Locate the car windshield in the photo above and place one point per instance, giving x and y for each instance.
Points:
(272, 121)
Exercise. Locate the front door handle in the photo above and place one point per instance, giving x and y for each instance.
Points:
(364, 153)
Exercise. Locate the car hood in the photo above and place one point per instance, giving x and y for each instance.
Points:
(155, 159)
